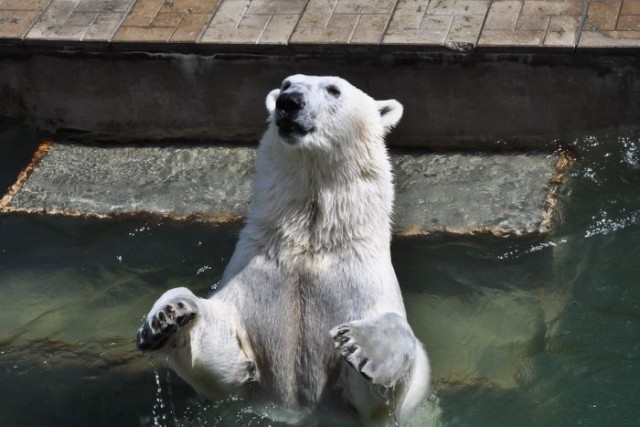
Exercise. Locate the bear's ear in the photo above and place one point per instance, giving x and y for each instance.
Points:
(271, 100)
(390, 112)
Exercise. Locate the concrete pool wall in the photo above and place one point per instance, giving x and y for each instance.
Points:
(488, 94)
(456, 101)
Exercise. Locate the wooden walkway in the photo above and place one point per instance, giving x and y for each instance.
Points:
(463, 25)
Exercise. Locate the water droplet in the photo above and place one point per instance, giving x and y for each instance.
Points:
(202, 269)
(388, 394)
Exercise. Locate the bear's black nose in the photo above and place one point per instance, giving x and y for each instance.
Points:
(290, 102)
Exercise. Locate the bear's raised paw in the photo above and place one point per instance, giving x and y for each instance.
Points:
(164, 320)
(381, 349)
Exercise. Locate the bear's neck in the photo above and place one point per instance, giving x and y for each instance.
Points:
(310, 202)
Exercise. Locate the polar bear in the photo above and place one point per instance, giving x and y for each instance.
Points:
(309, 306)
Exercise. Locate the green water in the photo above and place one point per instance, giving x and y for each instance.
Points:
(520, 333)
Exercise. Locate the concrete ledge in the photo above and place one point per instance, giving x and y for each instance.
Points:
(509, 194)
(451, 101)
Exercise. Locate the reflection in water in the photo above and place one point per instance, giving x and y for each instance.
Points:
(527, 333)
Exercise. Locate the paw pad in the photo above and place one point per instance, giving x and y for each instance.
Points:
(161, 325)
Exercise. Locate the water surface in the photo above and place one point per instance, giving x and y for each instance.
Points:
(520, 332)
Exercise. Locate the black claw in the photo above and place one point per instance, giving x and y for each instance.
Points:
(366, 376)
(141, 339)
(342, 332)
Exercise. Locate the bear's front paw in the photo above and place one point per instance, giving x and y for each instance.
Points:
(164, 321)
(349, 347)
(381, 349)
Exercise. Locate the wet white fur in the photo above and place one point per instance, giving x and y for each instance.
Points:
(315, 253)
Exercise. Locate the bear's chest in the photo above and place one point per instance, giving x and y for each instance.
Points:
(288, 321)
(310, 292)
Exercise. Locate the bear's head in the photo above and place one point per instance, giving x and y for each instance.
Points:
(323, 112)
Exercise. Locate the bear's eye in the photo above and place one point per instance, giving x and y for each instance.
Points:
(333, 90)
(286, 85)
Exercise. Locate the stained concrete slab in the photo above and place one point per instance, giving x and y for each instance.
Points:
(210, 181)
(506, 194)
(475, 193)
